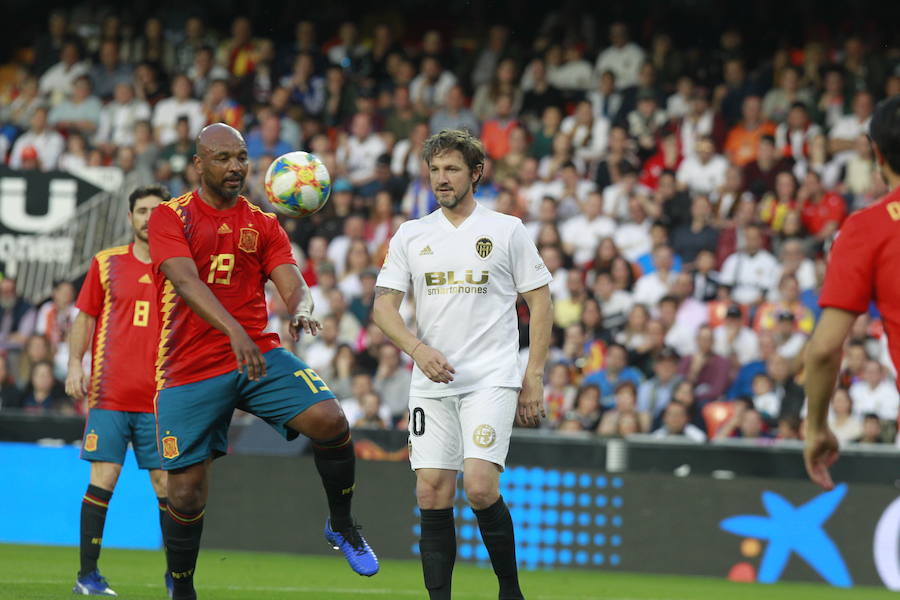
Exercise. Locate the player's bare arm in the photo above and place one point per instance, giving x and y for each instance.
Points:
(296, 296)
(182, 272)
(79, 340)
(386, 314)
(531, 396)
(823, 362)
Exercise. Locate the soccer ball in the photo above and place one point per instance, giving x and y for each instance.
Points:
(297, 184)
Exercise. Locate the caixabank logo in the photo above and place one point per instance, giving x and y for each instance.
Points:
(786, 530)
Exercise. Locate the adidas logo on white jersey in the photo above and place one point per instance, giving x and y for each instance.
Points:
(426, 251)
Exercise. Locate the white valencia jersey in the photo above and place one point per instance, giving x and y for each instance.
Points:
(465, 281)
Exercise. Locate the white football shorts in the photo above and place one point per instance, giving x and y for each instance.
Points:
(445, 431)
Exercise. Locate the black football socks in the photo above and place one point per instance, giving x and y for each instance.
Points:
(499, 538)
(336, 463)
(437, 549)
(181, 534)
(93, 518)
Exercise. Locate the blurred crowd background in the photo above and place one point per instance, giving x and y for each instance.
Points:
(682, 167)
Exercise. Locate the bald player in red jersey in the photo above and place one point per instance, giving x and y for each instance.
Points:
(212, 253)
(118, 319)
(862, 267)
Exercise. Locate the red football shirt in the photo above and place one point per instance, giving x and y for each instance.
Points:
(119, 292)
(864, 263)
(235, 250)
(816, 215)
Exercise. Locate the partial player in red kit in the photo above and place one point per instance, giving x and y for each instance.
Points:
(118, 320)
(862, 267)
(212, 253)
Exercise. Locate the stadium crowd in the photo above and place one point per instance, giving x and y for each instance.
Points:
(683, 202)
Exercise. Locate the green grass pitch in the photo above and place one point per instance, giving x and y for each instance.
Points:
(47, 573)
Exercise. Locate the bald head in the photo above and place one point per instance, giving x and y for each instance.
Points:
(222, 162)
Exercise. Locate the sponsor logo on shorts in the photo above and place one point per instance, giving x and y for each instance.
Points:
(483, 246)
(170, 446)
(249, 239)
(484, 436)
(90, 442)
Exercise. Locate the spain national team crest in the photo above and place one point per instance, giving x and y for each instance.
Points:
(170, 446)
(90, 442)
(483, 246)
(249, 239)
(484, 436)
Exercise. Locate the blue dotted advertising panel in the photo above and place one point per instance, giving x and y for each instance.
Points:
(563, 518)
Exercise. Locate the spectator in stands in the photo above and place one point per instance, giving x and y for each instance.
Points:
(80, 112)
(428, 91)
(655, 393)
(745, 423)
(703, 171)
(705, 370)
(623, 58)
(587, 411)
(320, 353)
(559, 394)
(110, 71)
(650, 288)
(266, 140)
(167, 112)
(823, 211)
(846, 425)
(587, 133)
(794, 136)
(625, 404)
(689, 240)
(339, 372)
(360, 153)
(778, 368)
(340, 97)
(788, 292)
(750, 273)
(392, 381)
(779, 100)
(875, 393)
(759, 175)
(614, 372)
(503, 82)
(197, 40)
(645, 122)
(48, 45)
(842, 135)
(43, 141)
(16, 316)
(119, 119)
(871, 430)
(153, 47)
(567, 310)
(734, 340)
(539, 94)
(582, 233)
(495, 131)
(203, 70)
(454, 115)
(44, 394)
(179, 153)
(370, 406)
(615, 304)
(632, 335)
(742, 144)
(677, 425)
(788, 339)
(56, 83)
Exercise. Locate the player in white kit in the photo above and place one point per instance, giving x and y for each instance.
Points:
(467, 264)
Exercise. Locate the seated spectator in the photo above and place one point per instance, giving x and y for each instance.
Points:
(80, 112)
(362, 302)
(871, 430)
(339, 372)
(360, 154)
(645, 122)
(503, 81)
(765, 400)
(582, 233)
(605, 100)
(495, 131)
(656, 393)
(750, 272)
(846, 129)
(734, 340)
(16, 316)
(703, 172)
(570, 191)
(787, 93)
(786, 387)
(320, 353)
(788, 292)
(615, 304)
(109, 71)
(119, 118)
(775, 206)
(625, 404)
(794, 136)
(667, 159)
(743, 141)
(428, 90)
(539, 95)
(567, 311)
(620, 160)
(745, 423)
(659, 236)
(633, 236)
(823, 211)
(651, 287)
(586, 411)
(44, 394)
(760, 173)
(559, 394)
(788, 428)
(788, 339)
(706, 371)
(454, 114)
(846, 425)
(369, 414)
(10, 396)
(181, 104)
(588, 134)
(875, 393)
(706, 278)
(392, 381)
(204, 70)
(632, 334)
(266, 139)
(615, 372)
(691, 239)
(677, 425)
(40, 141)
(56, 83)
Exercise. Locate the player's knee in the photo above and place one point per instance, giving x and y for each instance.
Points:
(332, 425)
(432, 495)
(186, 497)
(481, 494)
(105, 475)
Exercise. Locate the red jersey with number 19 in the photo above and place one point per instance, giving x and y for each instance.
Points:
(863, 266)
(119, 292)
(234, 250)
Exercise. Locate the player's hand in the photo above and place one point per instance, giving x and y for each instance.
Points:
(819, 453)
(248, 356)
(433, 364)
(531, 401)
(76, 382)
(304, 320)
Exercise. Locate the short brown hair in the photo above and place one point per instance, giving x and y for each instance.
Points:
(467, 144)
